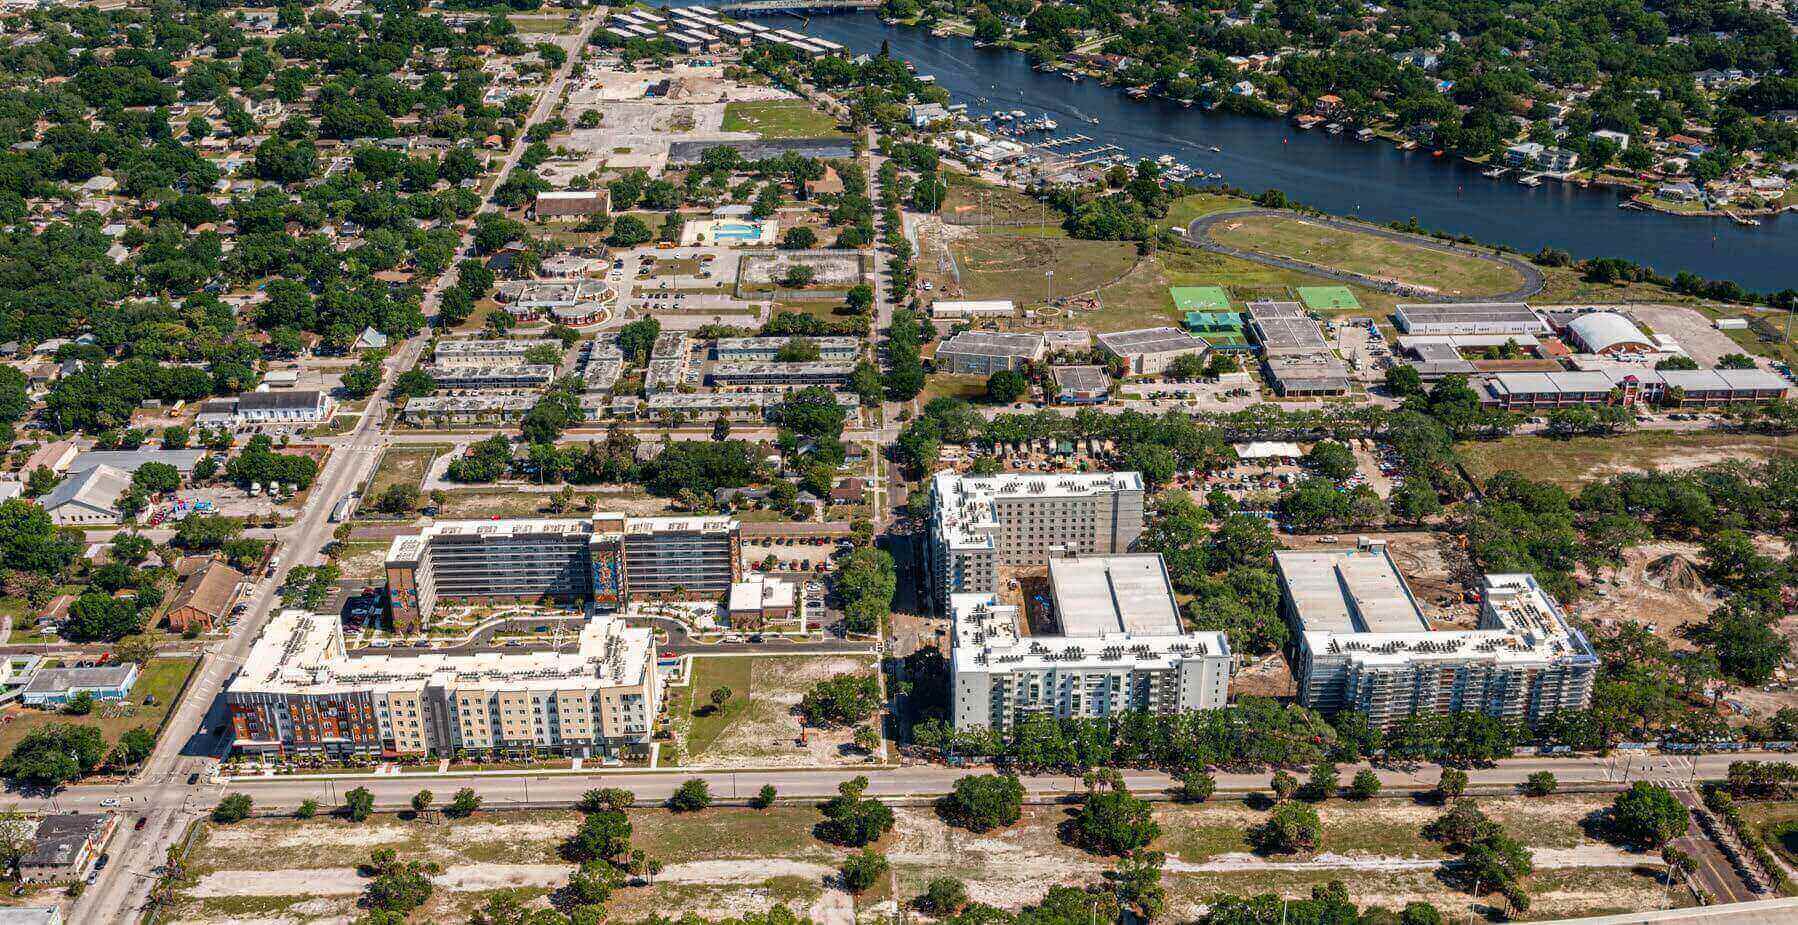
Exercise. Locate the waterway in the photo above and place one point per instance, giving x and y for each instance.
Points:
(1374, 180)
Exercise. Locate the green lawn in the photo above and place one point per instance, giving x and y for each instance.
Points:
(1001, 265)
(954, 385)
(779, 119)
(1182, 211)
(1581, 459)
(1366, 254)
(693, 707)
(161, 678)
(403, 464)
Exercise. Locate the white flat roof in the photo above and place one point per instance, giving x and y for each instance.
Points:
(1104, 595)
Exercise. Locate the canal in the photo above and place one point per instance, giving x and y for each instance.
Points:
(1374, 181)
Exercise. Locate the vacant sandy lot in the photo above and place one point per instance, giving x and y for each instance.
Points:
(760, 727)
(733, 861)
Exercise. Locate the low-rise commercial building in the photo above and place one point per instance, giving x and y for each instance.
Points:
(1363, 644)
(283, 407)
(1080, 385)
(1149, 351)
(65, 847)
(1294, 354)
(957, 309)
(1118, 647)
(204, 597)
(88, 498)
(605, 559)
(982, 353)
(761, 600)
(53, 687)
(749, 405)
(301, 693)
(980, 524)
(554, 204)
(1680, 388)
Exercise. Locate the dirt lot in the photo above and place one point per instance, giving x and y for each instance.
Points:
(759, 727)
(1651, 589)
(1436, 569)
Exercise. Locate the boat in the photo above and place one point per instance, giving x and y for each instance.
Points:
(1072, 76)
(1334, 128)
(1216, 150)
(1048, 125)
(1531, 181)
(1018, 114)
(1093, 119)
(1165, 160)
(1495, 172)
(1365, 134)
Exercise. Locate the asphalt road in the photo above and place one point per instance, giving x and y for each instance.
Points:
(1198, 233)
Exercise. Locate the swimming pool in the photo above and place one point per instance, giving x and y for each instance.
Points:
(739, 231)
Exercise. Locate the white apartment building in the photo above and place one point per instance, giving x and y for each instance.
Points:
(980, 524)
(301, 693)
(1363, 643)
(1120, 648)
(605, 558)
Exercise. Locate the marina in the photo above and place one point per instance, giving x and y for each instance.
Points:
(1375, 182)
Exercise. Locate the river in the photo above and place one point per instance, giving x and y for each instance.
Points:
(1335, 173)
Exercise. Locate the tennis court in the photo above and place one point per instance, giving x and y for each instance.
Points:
(1199, 298)
(1328, 298)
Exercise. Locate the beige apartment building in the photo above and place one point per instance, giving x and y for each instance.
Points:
(301, 693)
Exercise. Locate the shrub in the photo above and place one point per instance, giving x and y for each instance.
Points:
(233, 808)
(982, 802)
(692, 796)
(863, 869)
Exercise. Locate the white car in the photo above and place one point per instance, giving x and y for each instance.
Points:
(110, 801)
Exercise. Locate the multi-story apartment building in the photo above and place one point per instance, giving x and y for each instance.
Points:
(1363, 643)
(1120, 648)
(681, 555)
(301, 693)
(980, 524)
(605, 558)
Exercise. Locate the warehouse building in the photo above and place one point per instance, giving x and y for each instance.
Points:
(1363, 644)
(1118, 647)
(300, 693)
(1469, 318)
(982, 353)
(980, 524)
(607, 559)
(278, 407)
(1149, 351)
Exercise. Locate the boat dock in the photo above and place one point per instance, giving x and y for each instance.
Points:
(1069, 140)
